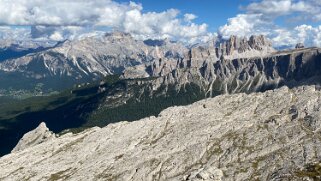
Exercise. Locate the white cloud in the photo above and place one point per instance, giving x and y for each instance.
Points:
(308, 34)
(50, 15)
(244, 25)
(305, 34)
(56, 36)
(56, 33)
(283, 38)
(61, 19)
(260, 17)
(251, 24)
(275, 8)
(59, 12)
(16, 33)
(298, 10)
(189, 17)
(270, 7)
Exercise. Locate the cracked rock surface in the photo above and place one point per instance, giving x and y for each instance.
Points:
(35, 137)
(260, 136)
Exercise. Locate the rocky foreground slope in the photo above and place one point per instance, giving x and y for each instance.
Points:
(267, 136)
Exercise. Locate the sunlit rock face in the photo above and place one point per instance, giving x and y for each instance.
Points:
(92, 58)
(105, 55)
(259, 73)
(261, 136)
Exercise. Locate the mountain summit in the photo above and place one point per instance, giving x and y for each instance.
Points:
(237, 47)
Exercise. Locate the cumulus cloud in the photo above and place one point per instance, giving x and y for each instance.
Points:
(54, 12)
(56, 36)
(260, 17)
(57, 19)
(306, 34)
(244, 25)
(61, 19)
(57, 33)
(189, 17)
(17, 33)
(303, 10)
(279, 7)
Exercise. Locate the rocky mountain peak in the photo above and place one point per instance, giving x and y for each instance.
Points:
(205, 55)
(242, 47)
(117, 35)
(258, 42)
(299, 45)
(35, 137)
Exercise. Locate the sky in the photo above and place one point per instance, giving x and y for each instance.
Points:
(213, 12)
(285, 22)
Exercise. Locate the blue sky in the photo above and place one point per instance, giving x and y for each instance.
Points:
(213, 12)
(285, 22)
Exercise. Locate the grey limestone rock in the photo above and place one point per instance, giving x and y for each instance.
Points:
(258, 136)
(39, 135)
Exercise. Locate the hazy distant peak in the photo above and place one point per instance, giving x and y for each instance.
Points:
(118, 35)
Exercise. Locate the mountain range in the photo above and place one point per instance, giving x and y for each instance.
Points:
(84, 60)
(99, 81)
(149, 76)
(79, 61)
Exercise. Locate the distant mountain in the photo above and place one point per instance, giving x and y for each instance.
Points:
(10, 49)
(232, 66)
(91, 58)
(14, 52)
(84, 60)
(25, 44)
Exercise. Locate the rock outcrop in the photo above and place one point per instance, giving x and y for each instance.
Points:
(299, 45)
(39, 135)
(273, 135)
(236, 47)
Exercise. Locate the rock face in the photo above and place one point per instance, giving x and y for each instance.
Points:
(200, 55)
(236, 47)
(299, 45)
(219, 76)
(82, 60)
(91, 56)
(259, 136)
(79, 61)
(35, 137)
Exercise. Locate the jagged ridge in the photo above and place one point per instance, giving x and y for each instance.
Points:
(80, 61)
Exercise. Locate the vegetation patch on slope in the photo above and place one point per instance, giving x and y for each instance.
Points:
(97, 104)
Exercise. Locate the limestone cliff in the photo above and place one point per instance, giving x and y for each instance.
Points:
(215, 77)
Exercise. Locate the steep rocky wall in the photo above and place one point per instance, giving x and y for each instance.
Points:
(291, 68)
